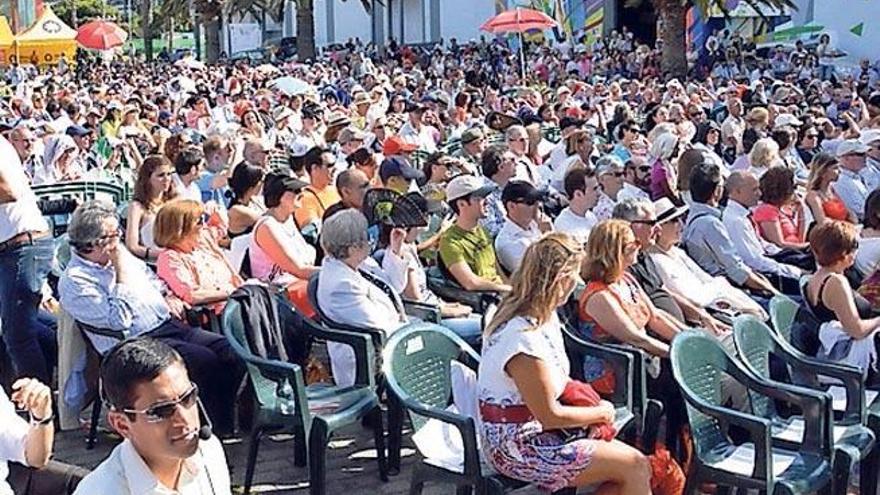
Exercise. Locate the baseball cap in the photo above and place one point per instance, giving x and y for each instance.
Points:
(520, 191)
(465, 185)
(869, 136)
(608, 164)
(567, 121)
(77, 131)
(786, 120)
(412, 106)
(350, 134)
(851, 146)
(397, 166)
(471, 135)
(395, 145)
(280, 181)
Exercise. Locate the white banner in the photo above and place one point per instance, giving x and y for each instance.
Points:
(244, 36)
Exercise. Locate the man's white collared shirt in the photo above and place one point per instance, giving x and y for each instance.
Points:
(124, 472)
(512, 242)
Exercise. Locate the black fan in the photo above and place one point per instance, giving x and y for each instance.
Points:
(407, 213)
(378, 204)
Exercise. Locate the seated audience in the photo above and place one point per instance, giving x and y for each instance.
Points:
(683, 277)
(707, 239)
(188, 168)
(245, 206)
(743, 191)
(105, 287)
(524, 225)
(192, 264)
(398, 175)
(152, 189)
(665, 149)
(154, 407)
(577, 218)
(345, 295)
(824, 203)
(320, 193)
(466, 251)
(352, 184)
(278, 252)
(498, 166)
(636, 179)
(868, 254)
(780, 216)
(609, 173)
(523, 371)
(851, 186)
(848, 324)
(614, 308)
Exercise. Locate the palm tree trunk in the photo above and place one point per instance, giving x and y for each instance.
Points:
(212, 39)
(146, 28)
(305, 29)
(673, 20)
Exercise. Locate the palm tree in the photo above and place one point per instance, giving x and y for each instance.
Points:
(305, 26)
(672, 16)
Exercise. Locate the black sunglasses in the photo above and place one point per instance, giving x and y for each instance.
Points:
(164, 410)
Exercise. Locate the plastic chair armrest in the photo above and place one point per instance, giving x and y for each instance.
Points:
(365, 356)
(423, 311)
(465, 426)
(849, 376)
(620, 361)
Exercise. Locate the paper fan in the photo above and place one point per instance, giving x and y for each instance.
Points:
(378, 204)
(406, 213)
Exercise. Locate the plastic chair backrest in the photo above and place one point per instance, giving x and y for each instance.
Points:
(698, 364)
(783, 311)
(234, 330)
(755, 344)
(417, 360)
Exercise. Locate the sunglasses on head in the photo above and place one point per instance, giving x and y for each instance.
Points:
(163, 410)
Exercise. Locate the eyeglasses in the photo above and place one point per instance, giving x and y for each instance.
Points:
(163, 410)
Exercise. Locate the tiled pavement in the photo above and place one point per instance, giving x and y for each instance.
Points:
(351, 464)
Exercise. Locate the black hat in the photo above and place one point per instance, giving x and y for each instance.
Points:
(500, 122)
(567, 121)
(77, 131)
(281, 180)
(520, 191)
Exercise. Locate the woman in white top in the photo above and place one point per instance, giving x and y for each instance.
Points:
(523, 372)
(152, 189)
(681, 275)
(868, 254)
(278, 252)
(345, 295)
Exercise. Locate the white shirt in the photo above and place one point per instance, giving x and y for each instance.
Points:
(630, 191)
(868, 255)
(124, 472)
(21, 215)
(576, 226)
(13, 435)
(751, 248)
(423, 138)
(852, 190)
(191, 191)
(512, 242)
(400, 268)
(346, 297)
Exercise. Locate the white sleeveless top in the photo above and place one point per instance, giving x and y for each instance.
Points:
(21, 215)
(262, 266)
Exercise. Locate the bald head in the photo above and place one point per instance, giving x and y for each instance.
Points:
(743, 188)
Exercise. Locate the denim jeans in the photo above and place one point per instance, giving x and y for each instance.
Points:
(469, 328)
(29, 341)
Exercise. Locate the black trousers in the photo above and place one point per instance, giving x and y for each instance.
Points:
(212, 365)
(801, 258)
(56, 478)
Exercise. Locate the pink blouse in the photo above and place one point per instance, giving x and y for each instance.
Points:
(204, 268)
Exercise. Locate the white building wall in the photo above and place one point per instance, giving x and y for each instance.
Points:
(461, 19)
(352, 21)
(413, 21)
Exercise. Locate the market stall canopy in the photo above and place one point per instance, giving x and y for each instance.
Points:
(46, 41)
(100, 35)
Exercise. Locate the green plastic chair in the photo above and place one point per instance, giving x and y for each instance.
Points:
(781, 307)
(314, 412)
(756, 342)
(417, 364)
(698, 364)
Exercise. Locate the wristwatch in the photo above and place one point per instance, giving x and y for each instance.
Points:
(42, 422)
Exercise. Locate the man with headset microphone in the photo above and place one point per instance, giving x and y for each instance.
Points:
(154, 406)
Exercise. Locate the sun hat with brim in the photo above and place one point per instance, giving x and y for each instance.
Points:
(467, 185)
(666, 211)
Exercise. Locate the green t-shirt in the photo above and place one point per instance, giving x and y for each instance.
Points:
(474, 247)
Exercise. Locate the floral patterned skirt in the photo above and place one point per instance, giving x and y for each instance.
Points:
(526, 452)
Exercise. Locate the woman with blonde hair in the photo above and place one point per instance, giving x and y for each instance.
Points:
(823, 201)
(764, 154)
(192, 264)
(758, 118)
(152, 189)
(524, 371)
(615, 308)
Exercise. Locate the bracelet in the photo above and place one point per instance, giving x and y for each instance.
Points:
(42, 422)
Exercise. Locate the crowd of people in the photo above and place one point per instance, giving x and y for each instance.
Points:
(438, 176)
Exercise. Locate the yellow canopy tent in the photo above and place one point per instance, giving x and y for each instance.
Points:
(6, 39)
(45, 41)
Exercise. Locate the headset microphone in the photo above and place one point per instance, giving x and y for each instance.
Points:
(205, 431)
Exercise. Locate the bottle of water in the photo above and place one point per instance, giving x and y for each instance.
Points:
(285, 396)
